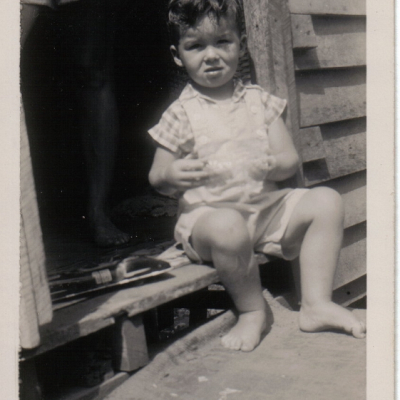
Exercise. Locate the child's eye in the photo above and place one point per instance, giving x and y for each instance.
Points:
(194, 46)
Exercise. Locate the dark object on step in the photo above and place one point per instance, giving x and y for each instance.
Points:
(106, 275)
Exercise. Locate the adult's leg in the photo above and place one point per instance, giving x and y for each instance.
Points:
(221, 236)
(99, 115)
(317, 226)
(29, 14)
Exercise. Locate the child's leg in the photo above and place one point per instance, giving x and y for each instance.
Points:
(221, 236)
(317, 225)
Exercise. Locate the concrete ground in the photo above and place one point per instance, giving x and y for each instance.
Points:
(288, 364)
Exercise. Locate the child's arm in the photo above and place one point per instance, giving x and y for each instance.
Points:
(169, 173)
(285, 160)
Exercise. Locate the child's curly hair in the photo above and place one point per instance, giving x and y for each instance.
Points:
(183, 14)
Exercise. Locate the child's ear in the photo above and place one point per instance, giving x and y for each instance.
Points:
(175, 55)
(243, 45)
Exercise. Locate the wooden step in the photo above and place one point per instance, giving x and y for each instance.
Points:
(96, 313)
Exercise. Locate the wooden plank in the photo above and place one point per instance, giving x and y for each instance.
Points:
(354, 193)
(99, 312)
(348, 183)
(352, 260)
(312, 146)
(341, 144)
(130, 347)
(259, 43)
(269, 38)
(352, 264)
(331, 95)
(303, 32)
(346, 155)
(351, 292)
(316, 173)
(35, 306)
(355, 205)
(345, 146)
(328, 7)
(340, 42)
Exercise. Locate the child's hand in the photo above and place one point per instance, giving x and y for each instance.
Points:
(260, 169)
(186, 174)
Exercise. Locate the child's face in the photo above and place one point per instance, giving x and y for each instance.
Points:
(210, 52)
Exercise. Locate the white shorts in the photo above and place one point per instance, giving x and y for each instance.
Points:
(267, 218)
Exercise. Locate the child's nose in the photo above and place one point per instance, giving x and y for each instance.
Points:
(211, 54)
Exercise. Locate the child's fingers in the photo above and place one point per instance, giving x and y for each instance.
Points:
(191, 176)
(184, 185)
(191, 165)
(193, 179)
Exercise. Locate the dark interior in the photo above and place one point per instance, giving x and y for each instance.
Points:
(144, 75)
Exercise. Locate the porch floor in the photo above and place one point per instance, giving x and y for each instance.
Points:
(288, 364)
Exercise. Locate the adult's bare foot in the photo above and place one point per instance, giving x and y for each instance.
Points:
(106, 234)
(329, 315)
(247, 332)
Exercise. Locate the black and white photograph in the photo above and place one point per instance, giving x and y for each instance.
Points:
(193, 197)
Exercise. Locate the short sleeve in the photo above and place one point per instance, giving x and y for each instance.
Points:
(273, 106)
(172, 129)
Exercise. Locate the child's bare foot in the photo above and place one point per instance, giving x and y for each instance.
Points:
(330, 316)
(107, 234)
(247, 332)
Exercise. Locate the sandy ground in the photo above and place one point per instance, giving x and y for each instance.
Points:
(288, 364)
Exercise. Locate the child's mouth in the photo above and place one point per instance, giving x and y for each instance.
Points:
(213, 71)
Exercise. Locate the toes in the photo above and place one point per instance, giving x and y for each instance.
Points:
(247, 347)
(231, 342)
(359, 330)
(236, 343)
(122, 239)
(106, 239)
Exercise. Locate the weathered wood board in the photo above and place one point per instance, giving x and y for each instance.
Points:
(345, 147)
(312, 146)
(329, 43)
(331, 95)
(130, 347)
(340, 42)
(315, 172)
(99, 312)
(355, 206)
(35, 304)
(328, 7)
(259, 44)
(333, 150)
(351, 292)
(346, 184)
(270, 47)
(354, 193)
(303, 33)
(352, 261)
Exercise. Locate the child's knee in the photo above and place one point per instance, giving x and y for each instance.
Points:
(226, 229)
(328, 202)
